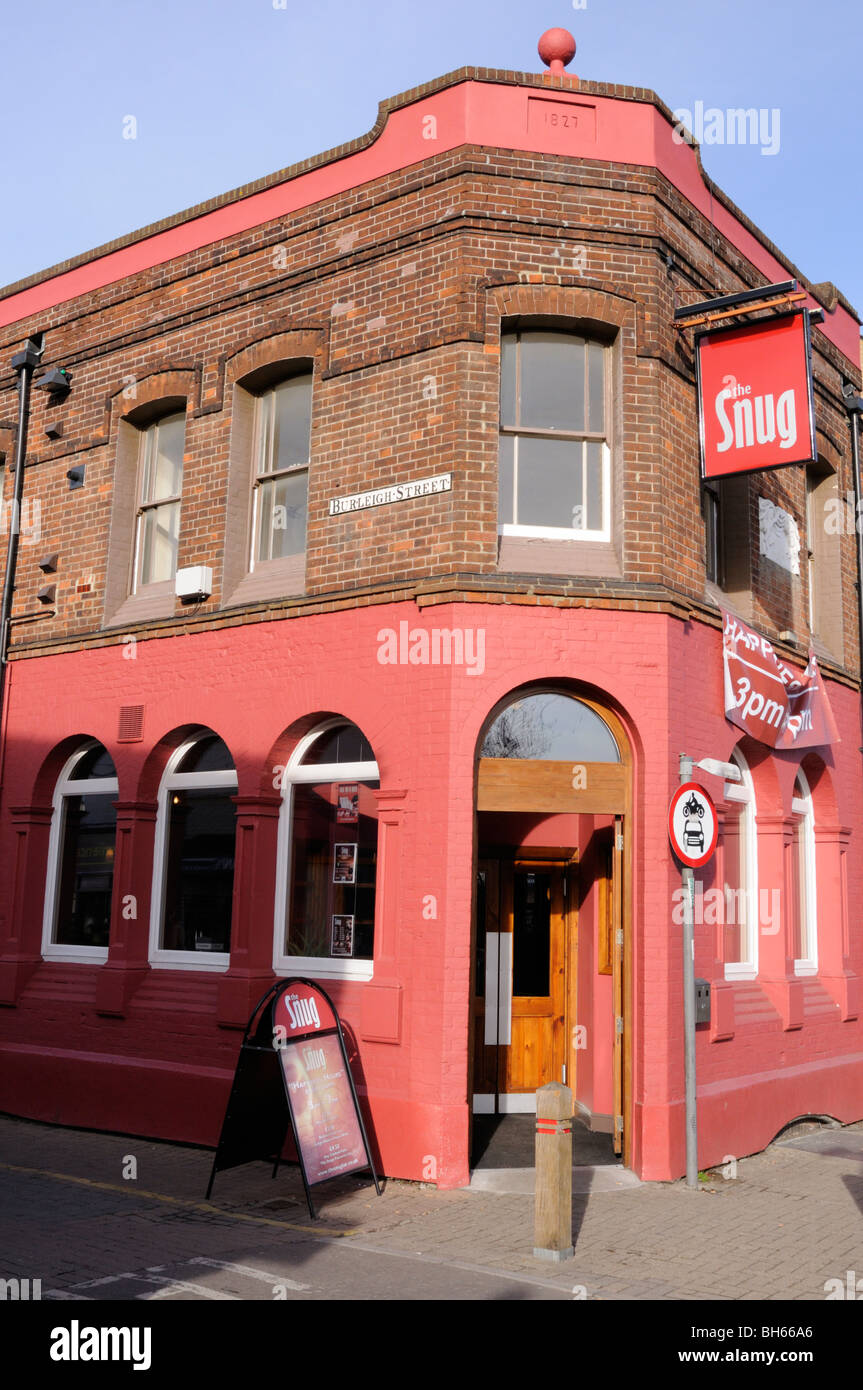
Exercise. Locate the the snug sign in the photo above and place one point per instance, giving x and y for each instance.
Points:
(755, 406)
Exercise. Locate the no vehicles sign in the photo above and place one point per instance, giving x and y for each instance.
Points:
(692, 825)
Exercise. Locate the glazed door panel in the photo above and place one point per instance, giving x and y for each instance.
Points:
(534, 917)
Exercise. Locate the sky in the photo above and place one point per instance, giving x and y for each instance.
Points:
(225, 91)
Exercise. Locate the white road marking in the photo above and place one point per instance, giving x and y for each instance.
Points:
(265, 1276)
(170, 1287)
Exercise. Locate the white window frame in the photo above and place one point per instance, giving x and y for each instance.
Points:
(97, 786)
(318, 967)
(147, 446)
(160, 958)
(564, 533)
(744, 792)
(266, 401)
(804, 814)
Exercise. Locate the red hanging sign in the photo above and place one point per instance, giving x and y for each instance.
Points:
(755, 404)
(771, 701)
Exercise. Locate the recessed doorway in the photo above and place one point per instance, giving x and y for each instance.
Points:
(548, 1001)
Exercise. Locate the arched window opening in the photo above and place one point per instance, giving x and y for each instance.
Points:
(81, 858)
(194, 862)
(740, 875)
(547, 726)
(805, 902)
(325, 908)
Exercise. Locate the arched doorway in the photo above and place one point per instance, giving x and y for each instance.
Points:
(553, 806)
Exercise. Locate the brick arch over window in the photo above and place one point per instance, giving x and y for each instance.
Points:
(823, 793)
(256, 368)
(595, 316)
(762, 767)
(155, 396)
(285, 745)
(157, 759)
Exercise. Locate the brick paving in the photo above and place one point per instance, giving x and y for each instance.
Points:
(789, 1221)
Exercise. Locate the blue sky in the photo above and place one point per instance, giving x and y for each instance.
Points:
(224, 91)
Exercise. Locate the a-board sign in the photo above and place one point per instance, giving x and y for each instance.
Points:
(693, 826)
(293, 1077)
(755, 404)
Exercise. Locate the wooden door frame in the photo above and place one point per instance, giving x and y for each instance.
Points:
(614, 797)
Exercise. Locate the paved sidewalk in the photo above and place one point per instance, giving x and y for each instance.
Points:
(789, 1221)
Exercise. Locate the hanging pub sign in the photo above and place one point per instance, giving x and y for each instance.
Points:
(293, 1078)
(768, 699)
(755, 404)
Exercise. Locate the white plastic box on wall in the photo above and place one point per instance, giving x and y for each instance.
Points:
(195, 581)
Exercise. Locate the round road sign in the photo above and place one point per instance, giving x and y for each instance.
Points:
(692, 825)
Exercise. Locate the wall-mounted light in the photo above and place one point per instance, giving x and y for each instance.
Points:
(57, 381)
(75, 476)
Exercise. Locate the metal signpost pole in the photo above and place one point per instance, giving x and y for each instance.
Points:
(688, 881)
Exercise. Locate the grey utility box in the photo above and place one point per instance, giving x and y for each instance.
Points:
(702, 1001)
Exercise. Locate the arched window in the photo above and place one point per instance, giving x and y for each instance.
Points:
(283, 417)
(81, 858)
(740, 874)
(328, 842)
(805, 902)
(193, 872)
(545, 725)
(555, 469)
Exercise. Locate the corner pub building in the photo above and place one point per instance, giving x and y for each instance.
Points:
(414, 428)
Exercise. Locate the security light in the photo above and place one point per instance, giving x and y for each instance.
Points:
(57, 381)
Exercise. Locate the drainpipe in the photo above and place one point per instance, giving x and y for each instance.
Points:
(854, 406)
(25, 364)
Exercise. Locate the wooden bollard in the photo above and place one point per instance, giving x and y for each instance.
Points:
(552, 1229)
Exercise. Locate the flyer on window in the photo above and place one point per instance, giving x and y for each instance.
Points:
(344, 864)
(342, 938)
(348, 810)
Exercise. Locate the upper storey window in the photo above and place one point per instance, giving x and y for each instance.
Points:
(555, 461)
(160, 483)
(283, 419)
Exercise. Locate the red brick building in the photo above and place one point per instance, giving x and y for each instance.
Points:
(414, 421)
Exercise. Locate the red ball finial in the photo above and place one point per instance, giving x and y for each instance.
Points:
(556, 48)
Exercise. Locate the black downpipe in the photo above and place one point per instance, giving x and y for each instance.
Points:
(854, 406)
(25, 364)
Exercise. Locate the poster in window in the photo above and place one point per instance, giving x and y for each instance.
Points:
(342, 937)
(344, 864)
(348, 811)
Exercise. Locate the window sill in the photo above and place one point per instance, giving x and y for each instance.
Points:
(324, 967)
(75, 955)
(152, 601)
(741, 972)
(190, 960)
(805, 968)
(556, 533)
(523, 552)
(270, 579)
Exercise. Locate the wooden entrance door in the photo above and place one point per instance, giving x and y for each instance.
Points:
(525, 957)
(535, 918)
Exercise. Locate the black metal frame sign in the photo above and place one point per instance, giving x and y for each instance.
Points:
(293, 1076)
